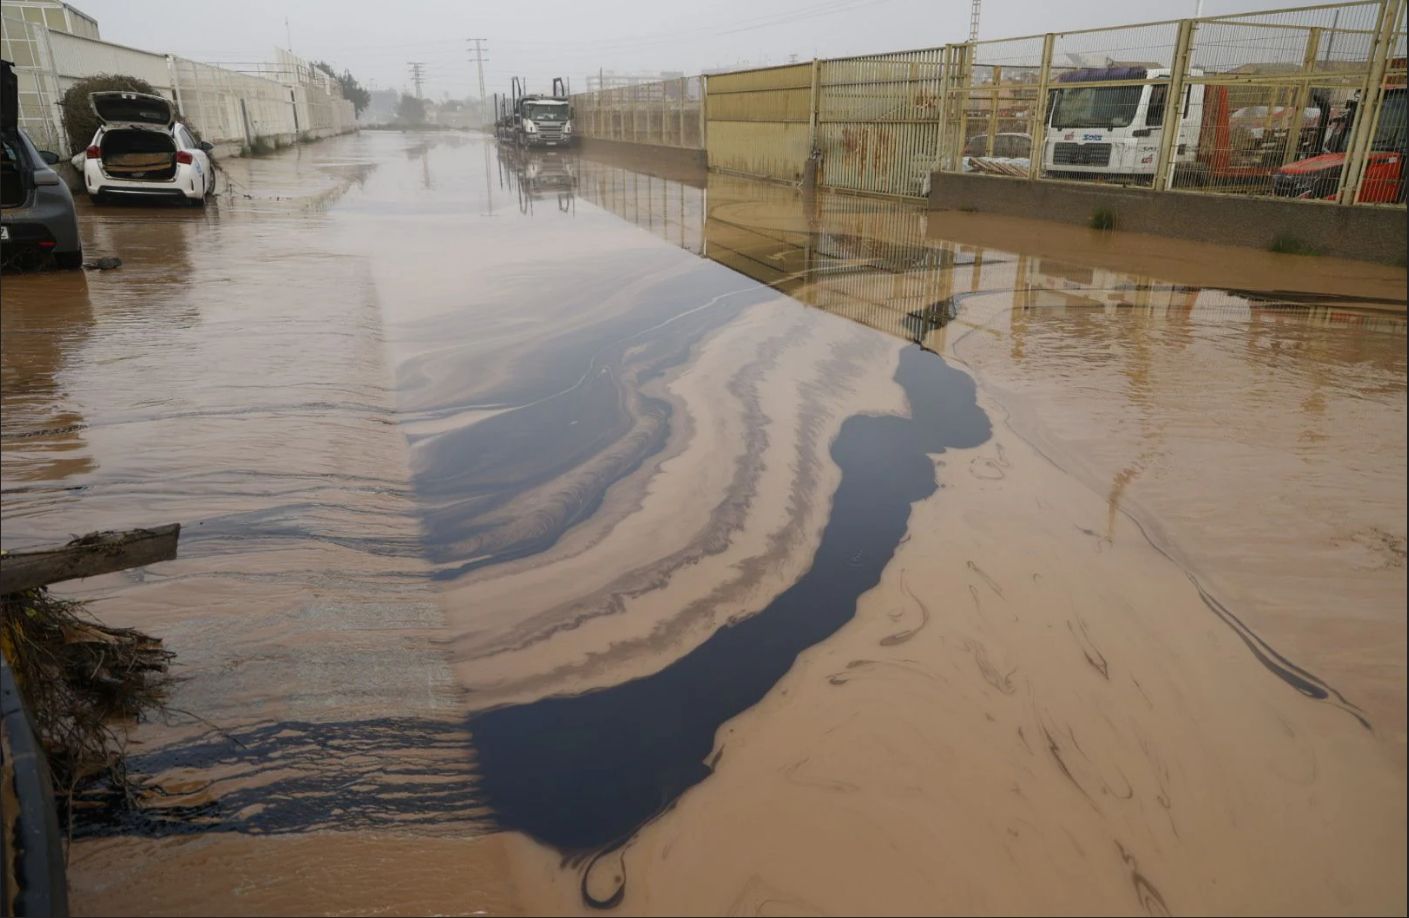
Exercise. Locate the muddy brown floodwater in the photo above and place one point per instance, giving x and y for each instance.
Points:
(559, 535)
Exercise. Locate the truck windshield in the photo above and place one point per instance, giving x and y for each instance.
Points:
(1096, 106)
(543, 111)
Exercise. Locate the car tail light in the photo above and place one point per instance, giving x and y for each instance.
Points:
(94, 152)
(184, 157)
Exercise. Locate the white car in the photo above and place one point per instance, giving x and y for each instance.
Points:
(142, 151)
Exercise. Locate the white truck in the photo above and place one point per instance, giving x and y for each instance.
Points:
(1110, 130)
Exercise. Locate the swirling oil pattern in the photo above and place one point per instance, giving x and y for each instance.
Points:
(277, 778)
(584, 772)
(576, 420)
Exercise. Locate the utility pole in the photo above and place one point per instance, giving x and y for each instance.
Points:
(479, 65)
(417, 74)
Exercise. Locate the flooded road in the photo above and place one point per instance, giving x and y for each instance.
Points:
(557, 535)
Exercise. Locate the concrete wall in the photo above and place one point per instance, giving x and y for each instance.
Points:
(1367, 233)
(673, 162)
(230, 109)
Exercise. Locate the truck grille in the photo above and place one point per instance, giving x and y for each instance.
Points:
(551, 133)
(1082, 154)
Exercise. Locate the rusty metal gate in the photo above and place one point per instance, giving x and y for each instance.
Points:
(880, 120)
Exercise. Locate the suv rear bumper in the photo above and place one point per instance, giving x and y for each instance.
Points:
(127, 191)
(33, 235)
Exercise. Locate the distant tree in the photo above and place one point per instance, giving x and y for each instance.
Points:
(79, 121)
(352, 90)
(411, 110)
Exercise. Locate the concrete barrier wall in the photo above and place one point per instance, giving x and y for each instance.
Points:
(674, 162)
(1367, 233)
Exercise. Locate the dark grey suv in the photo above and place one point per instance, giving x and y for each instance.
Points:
(36, 208)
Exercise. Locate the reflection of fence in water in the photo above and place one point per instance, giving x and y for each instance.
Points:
(672, 210)
(847, 257)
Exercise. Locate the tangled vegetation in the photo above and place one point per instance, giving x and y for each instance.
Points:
(79, 121)
(82, 682)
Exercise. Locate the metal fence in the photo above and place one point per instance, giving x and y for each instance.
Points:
(666, 113)
(1305, 103)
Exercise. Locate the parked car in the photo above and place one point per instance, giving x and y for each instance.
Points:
(36, 209)
(1012, 154)
(143, 151)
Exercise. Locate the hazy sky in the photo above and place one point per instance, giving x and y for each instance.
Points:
(538, 39)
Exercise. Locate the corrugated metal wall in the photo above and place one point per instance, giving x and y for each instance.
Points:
(759, 122)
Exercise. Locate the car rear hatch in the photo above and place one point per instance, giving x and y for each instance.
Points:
(136, 144)
(132, 109)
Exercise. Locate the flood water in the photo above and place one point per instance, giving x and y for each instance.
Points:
(559, 535)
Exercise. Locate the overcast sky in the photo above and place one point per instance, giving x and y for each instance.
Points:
(542, 38)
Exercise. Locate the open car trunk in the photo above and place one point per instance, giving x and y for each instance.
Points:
(137, 154)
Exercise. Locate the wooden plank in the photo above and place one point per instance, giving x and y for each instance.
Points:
(87, 556)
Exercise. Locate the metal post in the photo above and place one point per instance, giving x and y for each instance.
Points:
(1174, 105)
(1038, 129)
(942, 114)
(1302, 95)
(704, 114)
(997, 77)
(812, 109)
(175, 86)
(967, 52)
(1367, 112)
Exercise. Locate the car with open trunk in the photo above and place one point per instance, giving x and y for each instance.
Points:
(142, 150)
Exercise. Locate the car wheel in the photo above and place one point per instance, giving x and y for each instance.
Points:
(69, 260)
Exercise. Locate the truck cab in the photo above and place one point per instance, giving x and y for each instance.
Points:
(1384, 182)
(1113, 132)
(543, 121)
